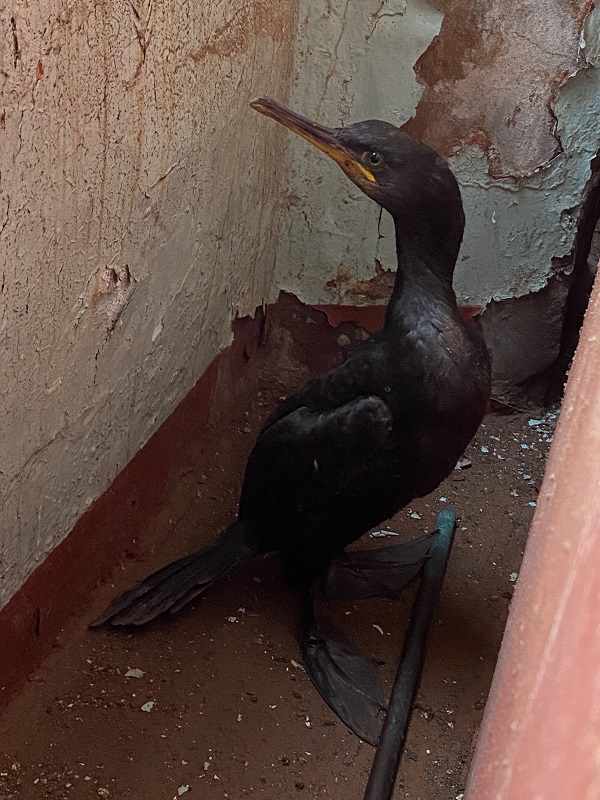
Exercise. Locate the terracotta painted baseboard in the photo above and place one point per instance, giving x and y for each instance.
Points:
(155, 487)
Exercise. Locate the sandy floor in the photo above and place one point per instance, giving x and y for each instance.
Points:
(213, 703)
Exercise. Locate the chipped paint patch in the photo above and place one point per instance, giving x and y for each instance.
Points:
(517, 227)
(491, 76)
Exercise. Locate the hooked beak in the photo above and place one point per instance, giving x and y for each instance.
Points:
(323, 138)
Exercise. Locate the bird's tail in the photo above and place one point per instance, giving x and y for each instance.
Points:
(171, 587)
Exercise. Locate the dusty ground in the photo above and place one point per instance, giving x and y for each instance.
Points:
(218, 706)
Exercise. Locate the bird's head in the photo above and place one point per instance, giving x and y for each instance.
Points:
(403, 175)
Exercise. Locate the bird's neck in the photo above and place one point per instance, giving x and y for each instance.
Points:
(424, 276)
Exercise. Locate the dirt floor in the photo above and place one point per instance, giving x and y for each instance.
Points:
(213, 703)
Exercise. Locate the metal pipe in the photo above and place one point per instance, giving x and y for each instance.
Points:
(389, 750)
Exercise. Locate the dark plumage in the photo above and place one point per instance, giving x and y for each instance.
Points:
(357, 444)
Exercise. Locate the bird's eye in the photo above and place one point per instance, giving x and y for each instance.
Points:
(373, 159)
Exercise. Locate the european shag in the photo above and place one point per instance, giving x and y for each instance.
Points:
(355, 445)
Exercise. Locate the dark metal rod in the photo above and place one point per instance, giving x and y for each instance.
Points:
(387, 756)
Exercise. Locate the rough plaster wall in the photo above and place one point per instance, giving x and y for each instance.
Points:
(504, 91)
(135, 221)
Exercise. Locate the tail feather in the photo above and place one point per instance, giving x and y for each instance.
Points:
(173, 586)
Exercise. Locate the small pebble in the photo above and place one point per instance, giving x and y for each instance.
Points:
(134, 673)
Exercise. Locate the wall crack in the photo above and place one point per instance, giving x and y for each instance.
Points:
(334, 55)
(15, 40)
(141, 26)
(378, 16)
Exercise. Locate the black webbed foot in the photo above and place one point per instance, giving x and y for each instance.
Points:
(345, 678)
(381, 572)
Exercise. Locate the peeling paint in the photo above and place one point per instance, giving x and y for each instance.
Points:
(348, 291)
(513, 103)
(535, 216)
(492, 75)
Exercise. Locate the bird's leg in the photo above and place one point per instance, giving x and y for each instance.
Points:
(345, 678)
(381, 572)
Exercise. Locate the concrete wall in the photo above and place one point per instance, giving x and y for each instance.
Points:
(509, 92)
(136, 220)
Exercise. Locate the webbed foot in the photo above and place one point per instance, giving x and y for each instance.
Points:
(346, 679)
(381, 572)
